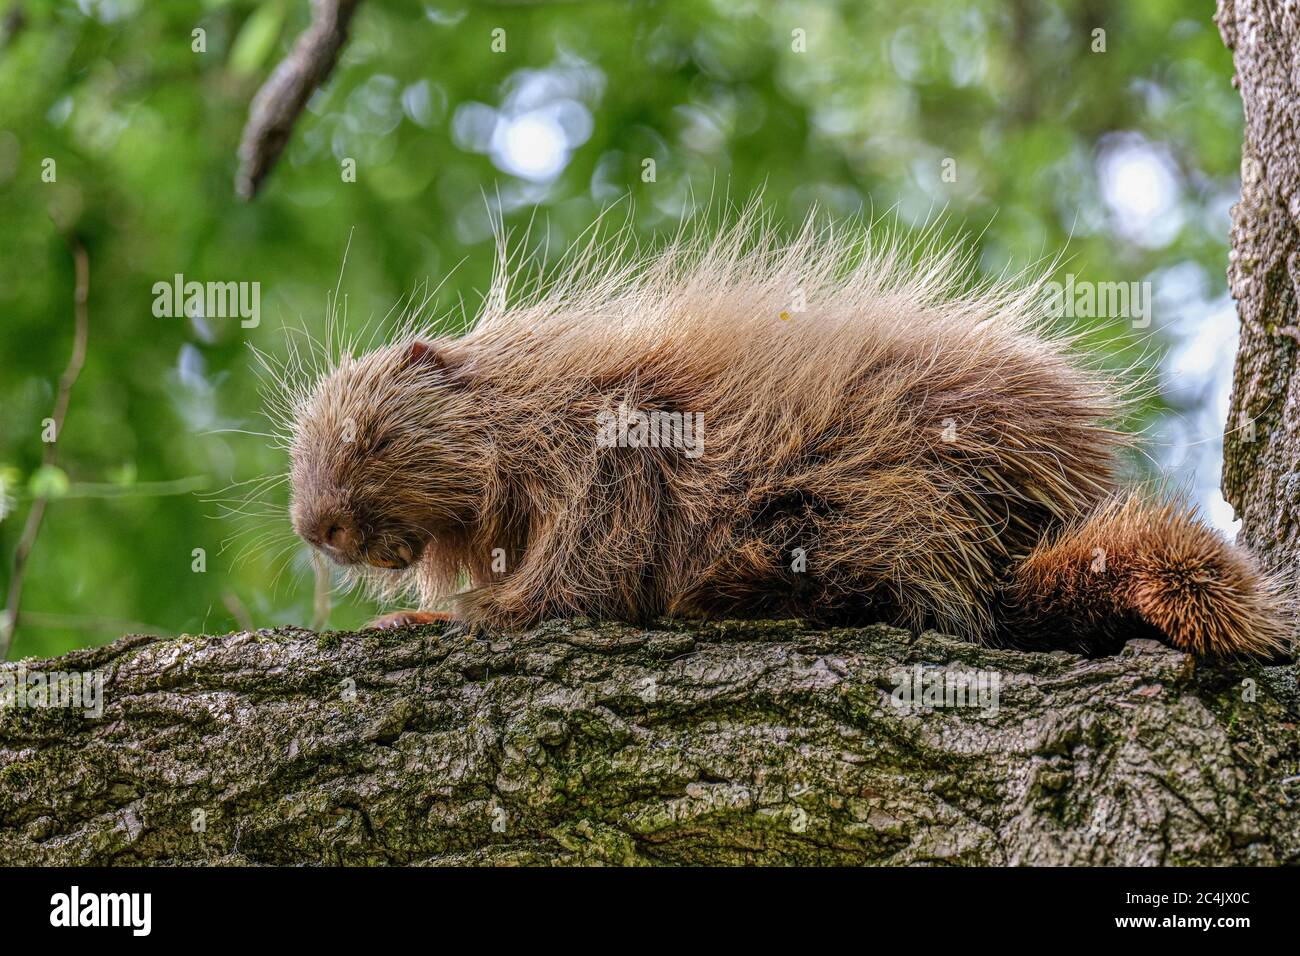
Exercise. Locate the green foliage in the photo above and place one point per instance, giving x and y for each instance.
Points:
(144, 130)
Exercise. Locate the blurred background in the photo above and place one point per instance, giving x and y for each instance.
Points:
(1026, 130)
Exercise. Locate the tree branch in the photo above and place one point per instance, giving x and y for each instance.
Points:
(277, 105)
(758, 742)
(1261, 451)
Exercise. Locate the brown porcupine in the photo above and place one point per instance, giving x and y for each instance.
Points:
(879, 444)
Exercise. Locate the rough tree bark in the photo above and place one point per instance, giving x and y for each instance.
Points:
(1262, 443)
(725, 743)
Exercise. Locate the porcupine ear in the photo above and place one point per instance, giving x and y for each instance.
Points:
(429, 356)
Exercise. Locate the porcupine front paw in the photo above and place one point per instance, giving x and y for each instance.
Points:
(409, 619)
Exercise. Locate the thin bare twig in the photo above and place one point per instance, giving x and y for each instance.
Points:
(81, 298)
(141, 489)
(285, 93)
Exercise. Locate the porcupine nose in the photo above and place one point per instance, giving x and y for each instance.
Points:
(338, 534)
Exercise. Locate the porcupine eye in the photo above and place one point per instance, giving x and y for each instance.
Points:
(381, 445)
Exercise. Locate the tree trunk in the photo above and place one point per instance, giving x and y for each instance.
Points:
(723, 743)
(1261, 451)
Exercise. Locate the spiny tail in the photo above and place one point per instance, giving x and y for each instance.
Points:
(1137, 564)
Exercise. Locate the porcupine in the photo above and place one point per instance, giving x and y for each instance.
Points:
(880, 443)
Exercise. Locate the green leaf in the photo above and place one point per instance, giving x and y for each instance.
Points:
(48, 481)
(257, 38)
